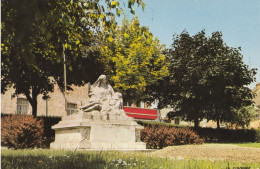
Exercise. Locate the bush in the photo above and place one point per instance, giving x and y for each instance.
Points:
(21, 131)
(162, 136)
(48, 133)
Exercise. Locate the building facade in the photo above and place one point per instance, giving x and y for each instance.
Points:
(54, 105)
(256, 91)
(256, 122)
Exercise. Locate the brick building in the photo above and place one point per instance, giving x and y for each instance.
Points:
(256, 90)
(53, 106)
(256, 122)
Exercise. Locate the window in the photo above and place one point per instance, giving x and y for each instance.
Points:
(22, 106)
(71, 107)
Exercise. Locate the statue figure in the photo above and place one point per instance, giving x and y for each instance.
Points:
(100, 92)
(116, 103)
(104, 102)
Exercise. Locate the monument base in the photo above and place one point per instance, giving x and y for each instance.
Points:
(97, 135)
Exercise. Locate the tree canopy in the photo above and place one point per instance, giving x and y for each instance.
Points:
(136, 60)
(207, 78)
(33, 35)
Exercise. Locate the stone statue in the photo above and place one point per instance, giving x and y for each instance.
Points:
(100, 93)
(103, 102)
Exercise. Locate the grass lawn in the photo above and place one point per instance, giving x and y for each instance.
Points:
(254, 145)
(50, 159)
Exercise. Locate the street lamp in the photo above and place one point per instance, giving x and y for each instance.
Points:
(46, 97)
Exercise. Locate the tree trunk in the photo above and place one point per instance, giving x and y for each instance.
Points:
(218, 123)
(196, 123)
(34, 107)
(33, 100)
(33, 103)
(218, 116)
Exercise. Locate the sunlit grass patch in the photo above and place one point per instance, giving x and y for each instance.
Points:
(253, 145)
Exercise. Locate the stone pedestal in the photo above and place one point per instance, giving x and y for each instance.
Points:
(82, 133)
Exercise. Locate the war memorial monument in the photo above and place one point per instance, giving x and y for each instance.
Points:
(101, 124)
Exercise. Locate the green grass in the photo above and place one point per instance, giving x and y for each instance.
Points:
(50, 159)
(253, 145)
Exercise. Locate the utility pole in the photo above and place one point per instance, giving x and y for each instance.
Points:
(65, 78)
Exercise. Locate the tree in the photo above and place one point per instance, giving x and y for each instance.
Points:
(244, 116)
(33, 35)
(136, 60)
(207, 78)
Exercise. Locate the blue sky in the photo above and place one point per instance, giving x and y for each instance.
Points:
(238, 20)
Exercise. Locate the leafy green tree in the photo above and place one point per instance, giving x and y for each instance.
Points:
(244, 116)
(33, 35)
(136, 60)
(207, 78)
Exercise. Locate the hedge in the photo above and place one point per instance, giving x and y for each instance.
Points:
(49, 134)
(229, 135)
(212, 135)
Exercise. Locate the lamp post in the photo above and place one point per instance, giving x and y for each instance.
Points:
(46, 97)
(65, 80)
